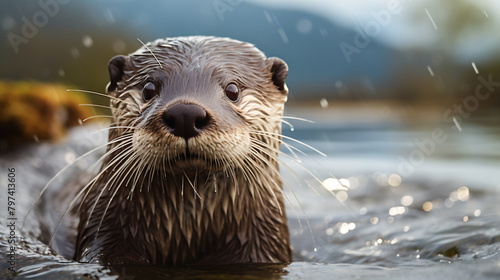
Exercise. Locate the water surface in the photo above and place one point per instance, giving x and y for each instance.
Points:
(392, 214)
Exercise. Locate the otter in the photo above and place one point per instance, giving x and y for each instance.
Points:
(191, 173)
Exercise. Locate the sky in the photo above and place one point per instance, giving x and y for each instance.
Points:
(398, 30)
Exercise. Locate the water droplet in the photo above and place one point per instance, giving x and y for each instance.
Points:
(304, 26)
(70, 157)
(430, 17)
(333, 184)
(475, 68)
(345, 182)
(430, 71)
(353, 182)
(87, 41)
(463, 193)
(109, 16)
(282, 33)
(398, 210)
(477, 213)
(324, 103)
(342, 196)
(427, 206)
(457, 124)
(75, 52)
(344, 228)
(36, 162)
(407, 200)
(394, 180)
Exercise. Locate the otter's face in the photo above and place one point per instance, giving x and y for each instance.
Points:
(197, 103)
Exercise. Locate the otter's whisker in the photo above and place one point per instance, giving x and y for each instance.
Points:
(117, 188)
(296, 199)
(56, 176)
(107, 154)
(97, 116)
(272, 180)
(70, 206)
(112, 127)
(142, 172)
(192, 185)
(100, 94)
(298, 119)
(151, 52)
(289, 138)
(119, 158)
(310, 173)
(96, 105)
(285, 165)
(278, 139)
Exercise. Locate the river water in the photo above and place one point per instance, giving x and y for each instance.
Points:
(393, 198)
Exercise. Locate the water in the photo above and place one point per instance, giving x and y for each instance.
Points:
(410, 211)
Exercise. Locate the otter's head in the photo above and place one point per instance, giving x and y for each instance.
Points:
(191, 103)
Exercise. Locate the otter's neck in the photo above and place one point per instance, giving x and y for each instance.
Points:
(195, 218)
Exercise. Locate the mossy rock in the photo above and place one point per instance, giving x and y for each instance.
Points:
(32, 111)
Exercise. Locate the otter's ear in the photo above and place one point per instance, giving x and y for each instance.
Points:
(115, 69)
(279, 70)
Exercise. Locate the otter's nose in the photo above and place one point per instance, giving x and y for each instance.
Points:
(185, 120)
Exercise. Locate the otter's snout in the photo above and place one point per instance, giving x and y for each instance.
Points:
(185, 120)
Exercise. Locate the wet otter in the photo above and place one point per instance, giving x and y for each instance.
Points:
(190, 175)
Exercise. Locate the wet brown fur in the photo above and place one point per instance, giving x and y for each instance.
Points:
(215, 199)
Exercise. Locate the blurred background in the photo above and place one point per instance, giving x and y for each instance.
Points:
(408, 51)
(404, 96)
(397, 69)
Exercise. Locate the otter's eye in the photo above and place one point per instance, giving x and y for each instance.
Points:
(232, 92)
(149, 91)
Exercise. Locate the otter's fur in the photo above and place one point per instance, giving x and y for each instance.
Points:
(215, 198)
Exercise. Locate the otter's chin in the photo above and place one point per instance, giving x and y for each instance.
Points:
(195, 164)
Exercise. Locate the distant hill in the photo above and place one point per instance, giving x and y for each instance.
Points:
(307, 42)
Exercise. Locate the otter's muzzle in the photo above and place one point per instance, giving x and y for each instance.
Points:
(185, 120)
